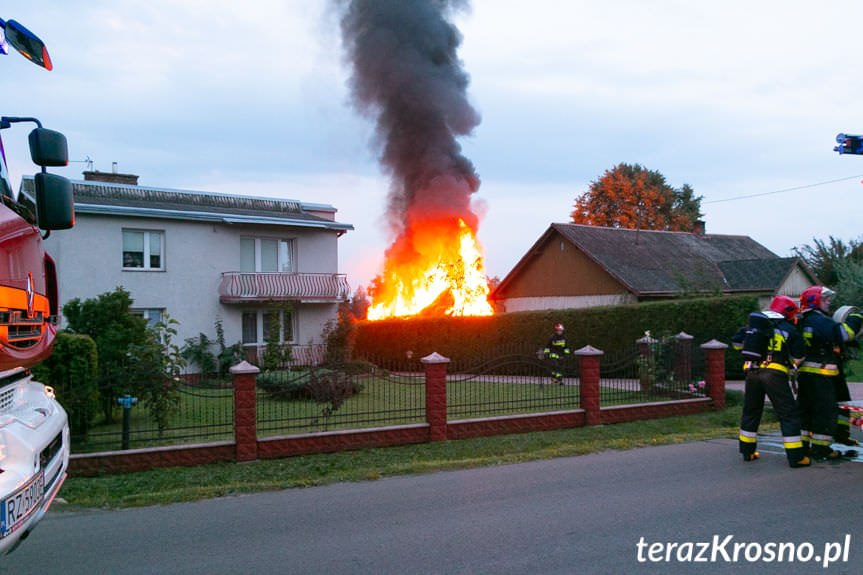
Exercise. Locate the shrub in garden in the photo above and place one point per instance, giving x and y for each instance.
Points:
(73, 372)
(109, 321)
(322, 385)
(283, 385)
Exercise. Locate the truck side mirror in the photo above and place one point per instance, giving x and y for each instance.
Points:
(28, 44)
(48, 148)
(55, 204)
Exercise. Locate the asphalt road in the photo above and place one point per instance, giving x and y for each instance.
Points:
(613, 512)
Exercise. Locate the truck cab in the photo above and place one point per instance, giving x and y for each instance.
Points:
(34, 430)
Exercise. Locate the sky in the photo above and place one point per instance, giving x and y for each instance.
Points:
(740, 100)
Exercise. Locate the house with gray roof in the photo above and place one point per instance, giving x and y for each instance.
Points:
(201, 257)
(574, 266)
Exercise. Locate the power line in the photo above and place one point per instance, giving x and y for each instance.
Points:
(785, 190)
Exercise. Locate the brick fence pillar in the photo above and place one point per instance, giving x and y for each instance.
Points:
(589, 358)
(683, 365)
(436, 395)
(245, 411)
(715, 372)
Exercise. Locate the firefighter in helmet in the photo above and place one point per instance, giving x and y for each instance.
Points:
(820, 372)
(782, 349)
(555, 350)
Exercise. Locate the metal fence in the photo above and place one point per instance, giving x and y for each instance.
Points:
(203, 413)
(510, 385)
(363, 395)
(656, 372)
(338, 397)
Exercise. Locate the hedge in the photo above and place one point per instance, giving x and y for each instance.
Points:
(613, 329)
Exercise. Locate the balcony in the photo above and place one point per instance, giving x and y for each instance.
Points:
(243, 287)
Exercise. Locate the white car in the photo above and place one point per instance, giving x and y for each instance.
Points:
(34, 454)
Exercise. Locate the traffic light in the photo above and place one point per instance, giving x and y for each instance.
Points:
(849, 144)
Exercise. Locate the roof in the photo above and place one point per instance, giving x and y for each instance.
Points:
(94, 197)
(651, 262)
(757, 275)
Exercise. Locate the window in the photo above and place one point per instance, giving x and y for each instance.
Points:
(153, 316)
(257, 325)
(266, 255)
(143, 249)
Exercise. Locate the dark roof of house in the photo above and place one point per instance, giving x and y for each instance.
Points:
(650, 262)
(132, 200)
(757, 275)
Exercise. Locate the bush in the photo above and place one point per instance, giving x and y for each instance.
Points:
(199, 351)
(283, 385)
(72, 370)
(109, 321)
(321, 385)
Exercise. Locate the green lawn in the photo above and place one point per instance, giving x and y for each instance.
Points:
(854, 370)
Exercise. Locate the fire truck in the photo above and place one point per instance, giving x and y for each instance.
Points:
(34, 430)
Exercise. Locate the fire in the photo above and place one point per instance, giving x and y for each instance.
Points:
(436, 270)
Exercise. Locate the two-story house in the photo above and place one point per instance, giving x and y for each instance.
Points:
(202, 256)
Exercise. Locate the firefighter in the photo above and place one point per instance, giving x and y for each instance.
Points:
(555, 350)
(820, 374)
(842, 433)
(783, 350)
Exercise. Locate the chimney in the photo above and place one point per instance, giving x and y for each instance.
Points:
(698, 229)
(114, 177)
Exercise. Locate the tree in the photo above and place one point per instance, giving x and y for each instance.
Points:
(109, 321)
(636, 198)
(339, 335)
(360, 303)
(155, 367)
(824, 256)
(849, 288)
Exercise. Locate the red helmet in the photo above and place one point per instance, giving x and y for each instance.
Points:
(558, 326)
(812, 297)
(784, 305)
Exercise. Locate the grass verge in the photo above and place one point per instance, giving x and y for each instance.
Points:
(164, 486)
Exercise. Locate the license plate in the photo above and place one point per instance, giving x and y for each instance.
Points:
(15, 509)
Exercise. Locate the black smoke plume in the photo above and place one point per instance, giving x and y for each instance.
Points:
(406, 75)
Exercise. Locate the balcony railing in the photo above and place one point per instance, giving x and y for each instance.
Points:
(240, 287)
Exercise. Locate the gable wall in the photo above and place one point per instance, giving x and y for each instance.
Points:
(795, 283)
(561, 269)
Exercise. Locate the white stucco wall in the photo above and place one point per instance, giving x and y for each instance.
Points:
(89, 263)
(565, 302)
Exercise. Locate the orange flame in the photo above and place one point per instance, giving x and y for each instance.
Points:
(438, 268)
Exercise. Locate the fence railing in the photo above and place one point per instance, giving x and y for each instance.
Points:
(333, 398)
(203, 413)
(315, 398)
(656, 372)
(508, 385)
(238, 287)
(404, 408)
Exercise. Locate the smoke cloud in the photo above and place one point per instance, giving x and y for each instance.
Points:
(406, 75)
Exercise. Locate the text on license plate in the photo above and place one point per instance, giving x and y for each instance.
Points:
(15, 508)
